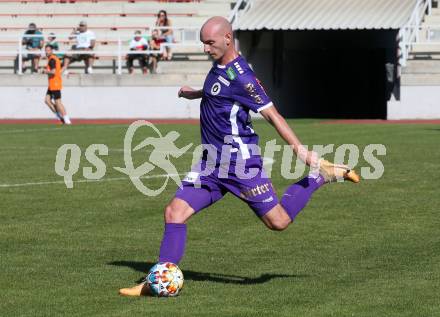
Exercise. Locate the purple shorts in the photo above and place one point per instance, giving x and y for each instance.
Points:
(201, 191)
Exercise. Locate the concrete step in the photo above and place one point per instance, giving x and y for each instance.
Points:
(184, 67)
(422, 67)
(201, 9)
(434, 48)
(435, 11)
(420, 79)
(433, 19)
(103, 80)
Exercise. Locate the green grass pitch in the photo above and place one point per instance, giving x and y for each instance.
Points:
(370, 249)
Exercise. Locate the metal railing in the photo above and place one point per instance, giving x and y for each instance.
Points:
(240, 6)
(409, 33)
(184, 37)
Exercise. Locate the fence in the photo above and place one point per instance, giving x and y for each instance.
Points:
(409, 33)
(184, 37)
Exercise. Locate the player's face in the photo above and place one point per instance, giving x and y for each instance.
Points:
(214, 44)
(48, 51)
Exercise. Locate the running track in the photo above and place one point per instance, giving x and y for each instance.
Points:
(196, 121)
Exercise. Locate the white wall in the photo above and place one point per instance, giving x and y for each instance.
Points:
(99, 102)
(417, 102)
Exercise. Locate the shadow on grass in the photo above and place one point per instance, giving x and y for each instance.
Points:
(144, 267)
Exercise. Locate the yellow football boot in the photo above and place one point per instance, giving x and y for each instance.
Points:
(141, 289)
(333, 172)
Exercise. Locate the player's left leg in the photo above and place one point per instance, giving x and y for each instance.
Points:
(260, 195)
(49, 103)
(52, 106)
(294, 199)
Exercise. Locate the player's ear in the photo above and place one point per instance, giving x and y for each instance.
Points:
(228, 39)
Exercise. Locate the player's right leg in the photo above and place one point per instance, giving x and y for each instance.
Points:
(189, 199)
(176, 213)
(62, 110)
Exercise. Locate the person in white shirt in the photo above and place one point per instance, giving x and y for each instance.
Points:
(85, 41)
(138, 43)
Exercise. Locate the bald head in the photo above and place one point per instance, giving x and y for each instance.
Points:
(217, 37)
(217, 25)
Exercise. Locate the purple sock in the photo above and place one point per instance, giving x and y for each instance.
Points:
(297, 195)
(173, 243)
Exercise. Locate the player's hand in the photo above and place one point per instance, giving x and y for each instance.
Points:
(186, 92)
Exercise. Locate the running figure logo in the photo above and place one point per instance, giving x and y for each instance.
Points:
(163, 149)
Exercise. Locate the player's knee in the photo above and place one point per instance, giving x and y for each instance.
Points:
(174, 215)
(279, 224)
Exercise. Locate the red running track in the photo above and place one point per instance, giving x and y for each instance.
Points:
(375, 121)
(98, 121)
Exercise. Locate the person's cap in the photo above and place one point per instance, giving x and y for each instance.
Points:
(137, 32)
(83, 23)
(32, 26)
(52, 35)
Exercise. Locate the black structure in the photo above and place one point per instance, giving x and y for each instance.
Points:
(326, 73)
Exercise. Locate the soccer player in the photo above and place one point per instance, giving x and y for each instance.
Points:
(53, 95)
(230, 91)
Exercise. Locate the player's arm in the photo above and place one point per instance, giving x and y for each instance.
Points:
(272, 115)
(190, 93)
(249, 92)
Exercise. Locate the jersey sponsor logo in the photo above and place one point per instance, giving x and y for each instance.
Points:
(238, 67)
(215, 89)
(231, 73)
(256, 191)
(250, 88)
(224, 81)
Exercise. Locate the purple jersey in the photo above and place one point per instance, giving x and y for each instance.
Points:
(229, 92)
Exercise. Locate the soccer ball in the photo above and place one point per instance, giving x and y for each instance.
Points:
(165, 279)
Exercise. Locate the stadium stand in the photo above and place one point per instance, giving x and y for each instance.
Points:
(423, 65)
(113, 22)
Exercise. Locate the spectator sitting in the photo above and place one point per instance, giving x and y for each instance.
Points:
(85, 41)
(155, 42)
(33, 40)
(51, 40)
(165, 34)
(138, 43)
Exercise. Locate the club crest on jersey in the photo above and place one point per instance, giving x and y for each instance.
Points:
(250, 88)
(215, 89)
(231, 73)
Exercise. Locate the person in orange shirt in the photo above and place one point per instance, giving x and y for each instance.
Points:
(53, 95)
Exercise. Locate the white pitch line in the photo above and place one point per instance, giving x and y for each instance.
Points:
(84, 181)
(60, 128)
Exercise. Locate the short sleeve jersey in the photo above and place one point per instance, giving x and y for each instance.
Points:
(230, 92)
(84, 39)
